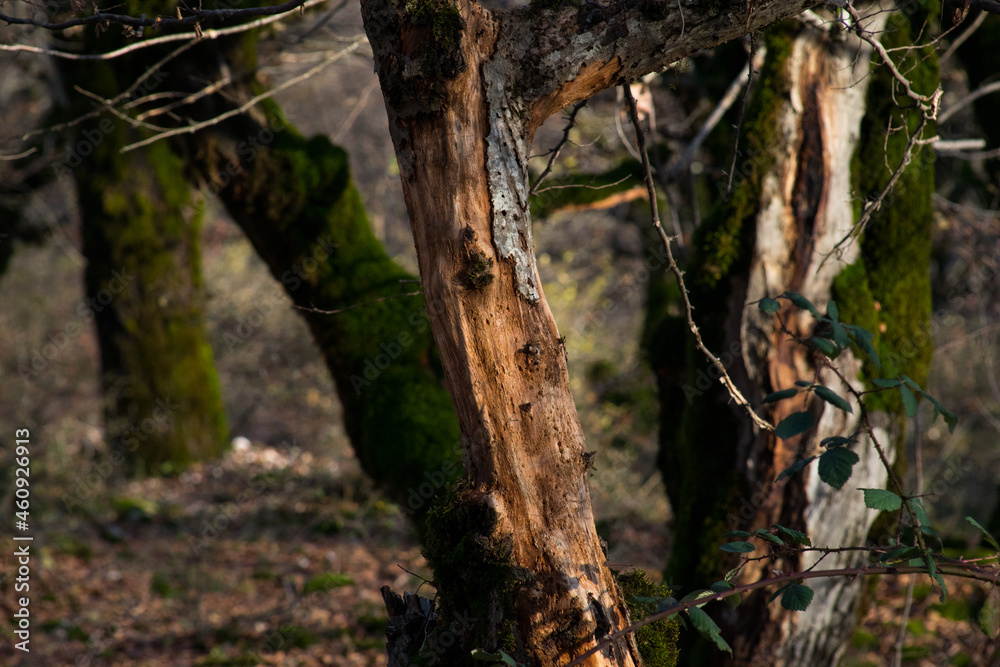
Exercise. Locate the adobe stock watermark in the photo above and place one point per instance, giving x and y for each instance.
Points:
(39, 358)
(247, 325)
(703, 380)
(373, 367)
(92, 137)
(226, 515)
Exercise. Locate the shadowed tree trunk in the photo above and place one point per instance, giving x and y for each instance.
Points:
(465, 90)
(794, 201)
(145, 294)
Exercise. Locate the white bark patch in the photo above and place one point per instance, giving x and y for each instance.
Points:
(506, 163)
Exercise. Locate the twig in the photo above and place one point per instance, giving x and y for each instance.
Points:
(966, 34)
(210, 34)
(194, 127)
(727, 101)
(736, 394)
(739, 118)
(357, 305)
(196, 17)
(554, 153)
(968, 99)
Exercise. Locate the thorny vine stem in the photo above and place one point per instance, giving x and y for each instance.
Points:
(736, 394)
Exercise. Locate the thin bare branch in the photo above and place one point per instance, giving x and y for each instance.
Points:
(194, 127)
(554, 153)
(727, 381)
(210, 34)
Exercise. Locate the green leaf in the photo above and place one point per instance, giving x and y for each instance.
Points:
(496, 658)
(886, 383)
(769, 305)
(918, 509)
(899, 554)
(721, 586)
(882, 500)
(704, 624)
(802, 302)
(833, 399)
(989, 617)
(986, 535)
(864, 339)
(732, 573)
(949, 416)
(909, 400)
(738, 547)
(794, 535)
(780, 395)
(794, 468)
(797, 597)
(760, 532)
(793, 425)
(826, 348)
(736, 533)
(936, 575)
(836, 441)
(911, 384)
(839, 335)
(665, 604)
(835, 466)
(831, 311)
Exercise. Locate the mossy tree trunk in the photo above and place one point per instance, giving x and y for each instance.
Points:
(797, 201)
(465, 90)
(145, 294)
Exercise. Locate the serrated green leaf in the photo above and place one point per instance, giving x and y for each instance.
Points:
(833, 399)
(832, 312)
(738, 547)
(836, 441)
(986, 535)
(826, 348)
(793, 425)
(863, 338)
(909, 400)
(989, 616)
(949, 417)
(736, 533)
(797, 597)
(794, 535)
(886, 383)
(898, 554)
(836, 465)
(794, 468)
(704, 624)
(802, 302)
(775, 594)
(769, 305)
(780, 395)
(768, 536)
(882, 500)
(696, 595)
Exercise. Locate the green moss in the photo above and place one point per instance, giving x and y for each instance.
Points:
(657, 641)
(474, 573)
(887, 290)
(441, 55)
(479, 271)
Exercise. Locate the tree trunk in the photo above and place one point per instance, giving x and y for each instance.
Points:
(465, 91)
(145, 294)
(795, 199)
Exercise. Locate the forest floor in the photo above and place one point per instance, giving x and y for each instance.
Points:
(275, 556)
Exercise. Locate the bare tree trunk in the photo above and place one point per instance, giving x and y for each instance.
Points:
(465, 91)
(795, 200)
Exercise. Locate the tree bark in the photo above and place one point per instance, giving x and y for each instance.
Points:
(794, 200)
(465, 91)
